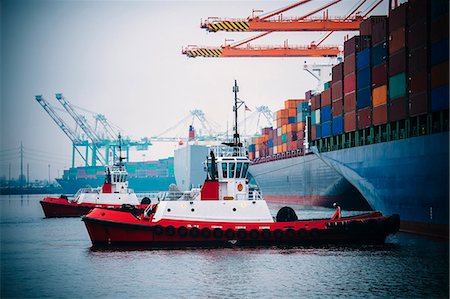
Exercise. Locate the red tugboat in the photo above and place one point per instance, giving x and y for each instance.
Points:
(112, 195)
(227, 213)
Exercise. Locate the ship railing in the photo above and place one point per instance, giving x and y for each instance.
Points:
(194, 194)
(255, 195)
(228, 151)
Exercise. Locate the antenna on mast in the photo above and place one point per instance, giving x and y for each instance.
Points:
(120, 150)
(235, 108)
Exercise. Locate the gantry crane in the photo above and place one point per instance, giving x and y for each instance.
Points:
(268, 23)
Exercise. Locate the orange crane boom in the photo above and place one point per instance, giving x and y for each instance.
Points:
(262, 51)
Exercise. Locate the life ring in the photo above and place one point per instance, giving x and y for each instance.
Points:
(265, 234)
(230, 233)
(254, 234)
(206, 233)
(182, 231)
(194, 232)
(217, 233)
(278, 234)
(158, 230)
(170, 230)
(302, 233)
(241, 233)
(240, 187)
(290, 233)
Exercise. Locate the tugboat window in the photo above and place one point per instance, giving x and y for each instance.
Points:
(244, 170)
(238, 169)
(224, 170)
(231, 169)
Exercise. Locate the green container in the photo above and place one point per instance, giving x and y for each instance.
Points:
(313, 117)
(397, 86)
(326, 85)
(283, 138)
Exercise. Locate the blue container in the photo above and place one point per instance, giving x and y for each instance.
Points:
(338, 125)
(439, 8)
(363, 59)
(292, 120)
(251, 148)
(379, 54)
(326, 129)
(439, 98)
(318, 132)
(325, 114)
(270, 142)
(439, 52)
(364, 78)
(363, 97)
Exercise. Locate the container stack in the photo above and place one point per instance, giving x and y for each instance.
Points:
(315, 117)
(337, 98)
(325, 111)
(439, 55)
(350, 84)
(398, 96)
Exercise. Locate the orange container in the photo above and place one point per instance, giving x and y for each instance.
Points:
(291, 128)
(282, 113)
(284, 129)
(289, 104)
(300, 126)
(284, 146)
(282, 121)
(292, 112)
(379, 96)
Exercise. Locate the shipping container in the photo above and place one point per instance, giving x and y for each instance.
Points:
(397, 40)
(308, 95)
(350, 122)
(349, 83)
(337, 92)
(338, 125)
(379, 115)
(356, 43)
(337, 72)
(397, 17)
(418, 83)
(380, 30)
(439, 51)
(418, 34)
(337, 108)
(379, 96)
(363, 97)
(292, 112)
(349, 64)
(397, 62)
(398, 109)
(379, 53)
(364, 118)
(318, 116)
(325, 114)
(379, 75)
(417, 11)
(363, 59)
(283, 138)
(439, 75)
(397, 86)
(439, 98)
(350, 102)
(326, 97)
(439, 8)
(439, 29)
(326, 129)
(363, 78)
(326, 85)
(418, 104)
(313, 117)
(292, 120)
(418, 60)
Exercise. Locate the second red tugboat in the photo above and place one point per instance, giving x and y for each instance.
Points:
(228, 214)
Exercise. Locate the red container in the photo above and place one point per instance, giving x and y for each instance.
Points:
(418, 34)
(380, 30)
(308, 95)
(379, 75)
(379, 115)
(397, 109)
(418, 83)
(356, 44)
(350, 122)
(349, 64)
(313, 132)
(326, 97)
(364, 118)
(350, 102)
(397, 63)
(397, 40)
(337, 108)
(397, 17)
(337, 72)
(368, 25)
(300, 135)
(336, 91)
(439, 29)
(417, 60)
(439, 75)
(349, 83)
(418, 104)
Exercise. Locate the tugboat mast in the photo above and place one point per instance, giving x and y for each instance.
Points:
(237, 140)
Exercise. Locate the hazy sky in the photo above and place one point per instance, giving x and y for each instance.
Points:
(123, 59)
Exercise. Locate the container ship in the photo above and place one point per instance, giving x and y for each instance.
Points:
(148, 176)
(379, 128)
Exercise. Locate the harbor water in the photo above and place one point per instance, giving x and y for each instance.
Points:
(43, 258)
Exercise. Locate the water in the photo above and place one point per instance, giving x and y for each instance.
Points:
(53, 258)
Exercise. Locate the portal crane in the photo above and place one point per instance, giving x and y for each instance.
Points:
(76, 140)
(304, 23)
(84, 125)
(112, 135)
